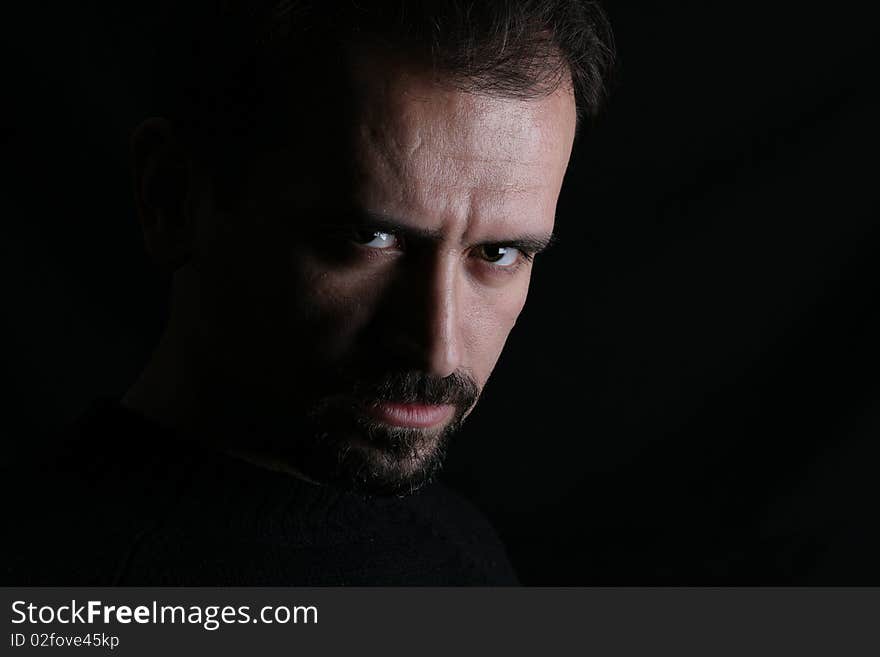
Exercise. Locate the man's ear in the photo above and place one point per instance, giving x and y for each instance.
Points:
(163, 188)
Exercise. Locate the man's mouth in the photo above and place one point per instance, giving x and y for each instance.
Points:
(413, 416)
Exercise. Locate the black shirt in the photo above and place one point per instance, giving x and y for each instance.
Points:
(126, 502)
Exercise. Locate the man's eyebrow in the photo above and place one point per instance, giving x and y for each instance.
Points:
(386, 224)
(528, 243)
(533, 244)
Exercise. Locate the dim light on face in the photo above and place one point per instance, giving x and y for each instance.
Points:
(372, 290)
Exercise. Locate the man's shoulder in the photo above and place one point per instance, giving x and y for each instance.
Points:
(455, 518)
(116, 502)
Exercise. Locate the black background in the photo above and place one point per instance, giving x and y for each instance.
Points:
(690, 395)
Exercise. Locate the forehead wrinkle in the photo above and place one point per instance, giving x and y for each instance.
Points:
(416, 186)
(463, 157)
(456, 162)
(454, 170)
(410, 149)
(461, 122)
(513, 187)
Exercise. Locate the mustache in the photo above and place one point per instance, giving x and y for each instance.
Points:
(414, 387)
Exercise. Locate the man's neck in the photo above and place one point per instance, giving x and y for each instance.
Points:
(164, 391)
(171, 393)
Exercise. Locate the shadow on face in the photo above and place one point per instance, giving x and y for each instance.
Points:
(358, 294)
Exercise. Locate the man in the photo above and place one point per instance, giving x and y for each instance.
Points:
(349, 202)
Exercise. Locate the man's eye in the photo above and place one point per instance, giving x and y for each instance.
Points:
(500, 256)
(376, 239)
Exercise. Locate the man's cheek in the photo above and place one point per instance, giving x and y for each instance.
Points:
(482, 347)
(491, 335)
(332, 308)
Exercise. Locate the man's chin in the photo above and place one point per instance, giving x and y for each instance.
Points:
(372, 458)
(372, 470)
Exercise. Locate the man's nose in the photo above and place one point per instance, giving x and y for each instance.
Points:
(430, 299)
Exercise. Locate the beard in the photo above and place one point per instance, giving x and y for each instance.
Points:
(339, 443)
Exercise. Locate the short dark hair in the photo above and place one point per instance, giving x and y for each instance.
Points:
(508, 48)
(504, 47)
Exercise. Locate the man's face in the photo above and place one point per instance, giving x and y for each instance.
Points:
(362, 291)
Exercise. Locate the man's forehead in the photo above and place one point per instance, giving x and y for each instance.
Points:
(403, 138)
(407, 98)
(428, 150)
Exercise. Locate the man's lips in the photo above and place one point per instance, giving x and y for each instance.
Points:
(416, 416)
